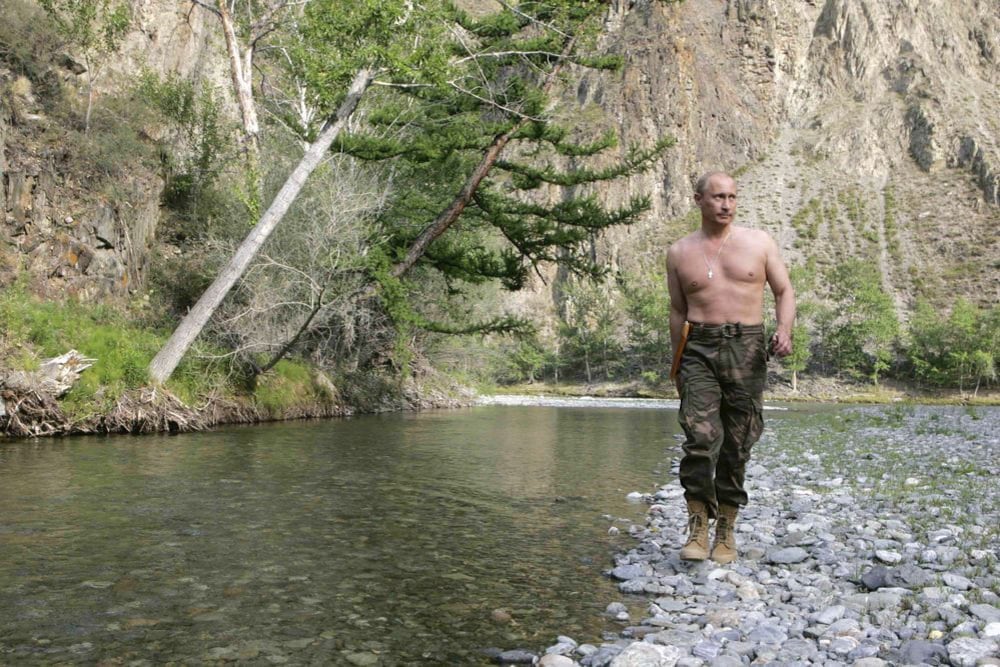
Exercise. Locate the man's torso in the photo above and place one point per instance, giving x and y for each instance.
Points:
(735, 292)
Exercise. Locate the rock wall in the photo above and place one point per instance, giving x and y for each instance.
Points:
(818, 100)
(804, 99)
(68, 238)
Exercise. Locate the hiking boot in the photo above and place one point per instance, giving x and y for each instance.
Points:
(697, 544)
(724, 546)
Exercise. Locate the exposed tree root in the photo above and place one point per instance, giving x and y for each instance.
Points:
(151, 410)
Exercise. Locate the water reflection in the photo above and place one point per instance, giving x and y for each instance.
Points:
(393, 538)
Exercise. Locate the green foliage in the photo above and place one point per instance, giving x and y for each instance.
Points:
(864, 329)
(96, 26)
(807, 222)
(48, 329)
(335, 39)
(195, 152)
(288, 386)
(29, 42)
(956, 350)
(436, 133)
(647, 307)
(798, 360)
(587, 331)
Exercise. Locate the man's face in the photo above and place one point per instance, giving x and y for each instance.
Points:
(718, 201)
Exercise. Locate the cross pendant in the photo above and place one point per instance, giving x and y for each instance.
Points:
(710, 273)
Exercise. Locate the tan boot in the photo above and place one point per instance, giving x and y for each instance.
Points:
(697, 544)
(724, 546)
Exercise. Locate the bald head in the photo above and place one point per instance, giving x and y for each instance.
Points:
(702, 183)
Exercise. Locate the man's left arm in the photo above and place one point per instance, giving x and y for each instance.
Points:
(784, 300)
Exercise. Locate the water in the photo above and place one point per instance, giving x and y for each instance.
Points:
(399, 539)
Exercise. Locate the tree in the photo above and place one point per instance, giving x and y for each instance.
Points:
(647, 306)
(955, 348)
(798, 360)
(452, 121)
(588, 327)
(490, 127)
(96, 27)
(866, 328)
(371, 40)
(309, 271)
(245, 25)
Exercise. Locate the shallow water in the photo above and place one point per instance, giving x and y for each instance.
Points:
(393, 537)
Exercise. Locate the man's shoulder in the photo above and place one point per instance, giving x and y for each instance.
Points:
(755, 236)
(684, 240)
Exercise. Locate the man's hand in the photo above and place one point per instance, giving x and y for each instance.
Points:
(781, 344)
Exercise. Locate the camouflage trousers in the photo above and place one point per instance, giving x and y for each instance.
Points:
(722, 375)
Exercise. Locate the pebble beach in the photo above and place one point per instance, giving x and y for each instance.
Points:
(872, 538)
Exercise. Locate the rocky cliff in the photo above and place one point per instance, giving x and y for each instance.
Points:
(858, 128)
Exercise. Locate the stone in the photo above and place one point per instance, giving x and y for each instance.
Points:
(875, 578)
(887, 556)
(518, 657)
(986, 612)
(768, 633)
(831, 614)
(556, 660)
(956, 581)
(966, 651)
(908, 576)
(362, 659)
(631, 571)
(726, 660)
(787, 556)
(641, 654)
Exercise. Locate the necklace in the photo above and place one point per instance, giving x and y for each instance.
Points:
(711, 265)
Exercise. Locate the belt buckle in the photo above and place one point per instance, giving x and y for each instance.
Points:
(728, 331)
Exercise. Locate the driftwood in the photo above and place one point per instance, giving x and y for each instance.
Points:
(29, 413)
(28, 405)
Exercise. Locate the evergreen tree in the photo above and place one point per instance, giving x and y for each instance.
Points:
(489, 184)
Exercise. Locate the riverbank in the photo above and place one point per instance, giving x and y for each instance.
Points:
(29, 407)
(871, 539)
(809, 389)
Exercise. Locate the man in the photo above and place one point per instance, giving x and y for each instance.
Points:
(716, 278)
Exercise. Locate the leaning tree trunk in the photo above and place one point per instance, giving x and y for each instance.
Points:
(169, 356)
(241, 72)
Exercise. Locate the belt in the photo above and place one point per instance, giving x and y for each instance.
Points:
(728, 330)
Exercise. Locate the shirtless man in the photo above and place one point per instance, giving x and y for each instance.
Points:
(716, 279)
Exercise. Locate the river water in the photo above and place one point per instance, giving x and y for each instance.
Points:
(395, 539)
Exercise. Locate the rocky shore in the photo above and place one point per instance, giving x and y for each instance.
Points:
(872, 538)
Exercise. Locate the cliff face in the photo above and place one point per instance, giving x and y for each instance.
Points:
(70, 237)
(859, 128)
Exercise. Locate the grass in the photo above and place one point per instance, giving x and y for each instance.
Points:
(34, 330)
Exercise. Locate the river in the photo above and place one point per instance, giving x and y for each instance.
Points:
(394, 539)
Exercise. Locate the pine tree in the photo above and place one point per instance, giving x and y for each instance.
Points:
(490, 185)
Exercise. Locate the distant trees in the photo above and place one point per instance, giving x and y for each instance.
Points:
(958, 348)
(864, 329)
(852, 331)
